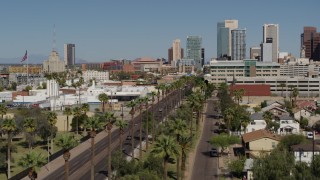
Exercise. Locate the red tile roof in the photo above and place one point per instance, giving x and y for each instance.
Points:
(259, 134)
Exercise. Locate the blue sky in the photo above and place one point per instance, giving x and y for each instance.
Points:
(104, 30)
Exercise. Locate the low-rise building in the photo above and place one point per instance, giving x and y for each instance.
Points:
(97, 75)
(304, 152)
(258, 142)
(32, 69)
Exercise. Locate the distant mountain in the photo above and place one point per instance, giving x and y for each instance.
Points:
(33, 59)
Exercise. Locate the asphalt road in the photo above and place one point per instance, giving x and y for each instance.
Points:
(205, 167)
(101, 166)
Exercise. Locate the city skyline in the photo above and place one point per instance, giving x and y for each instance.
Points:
(128, 30)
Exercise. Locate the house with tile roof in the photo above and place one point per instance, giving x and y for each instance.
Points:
(304, 152)
(257, 142)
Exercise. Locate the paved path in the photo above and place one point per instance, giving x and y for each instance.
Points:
(206, 167)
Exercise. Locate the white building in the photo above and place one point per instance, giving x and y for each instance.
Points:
(288, 126)
(304, 152)
(97, 75)
(271, 35)
(54, 63)
(266, 52)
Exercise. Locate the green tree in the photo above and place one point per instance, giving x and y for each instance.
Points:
(303, 122)
(77, 114)
(153, 95)
(223, 141)
(228, 117)
(185, 145)
(29, 126)
(3, 110)
(289, 140)
(277, 165)
(9, 126)
(302, 171)
(66, 142)
(236, 166)
(132, 105)
(28, 88)
(121, 124)
(85, 107)
(103, 98)
(34, 161)
(165, 147)
(68, 112)
(110, 119)
(267, 116)
(52, 120)
(257, 109)
(295, 94)
(140, 104)
(146, 102)
(94, 123)
(282, 85)
(315, 166)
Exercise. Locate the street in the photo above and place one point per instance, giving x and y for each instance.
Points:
(205, 166)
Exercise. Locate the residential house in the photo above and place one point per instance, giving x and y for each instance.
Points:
(304, 152)
(302, 113)
(288, 125)
(247, 169)
(275, 110)
(256, 122)
(260, 141)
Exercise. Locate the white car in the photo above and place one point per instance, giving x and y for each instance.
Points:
(310, 135)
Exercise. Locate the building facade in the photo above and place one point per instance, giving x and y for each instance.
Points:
(32, 69)
(193, 49)
(238, 44)
(266, 52)
(224, 37)
(310, 43)
(53, 64)
(70, 54)
(271, 33)
(255, 53)
(97, 75)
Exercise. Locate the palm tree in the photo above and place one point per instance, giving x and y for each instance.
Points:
(103, 98)
(93, 123)
(295, 94)
(66, 142)
(32, 160)
(146, 101)
(245, 122)
(165, 147)
(267, 116)
(85, 107)
(132, 105)
(77, 113)
(109, 122)
(121, 124)
(178, 127)
(3, 110)
(52, 120)
(153, 94)
(228, 117)
(185, 145)
(68, 112)
(9, 126)
(282, 85)
(140, 103)
(29, 125)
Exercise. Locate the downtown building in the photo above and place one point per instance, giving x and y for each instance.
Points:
(238, 44)
(175, 52)
(70, 54)
(270, 44)
(54, 63)
(195, 51)
(224, 47)
(310, 43)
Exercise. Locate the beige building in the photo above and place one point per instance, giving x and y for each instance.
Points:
(258, 142)
(32, 69)
(219, 71)
(54, 63)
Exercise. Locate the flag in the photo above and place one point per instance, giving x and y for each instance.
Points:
(25, 57)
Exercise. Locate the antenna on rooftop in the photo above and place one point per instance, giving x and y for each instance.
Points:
(54, 38)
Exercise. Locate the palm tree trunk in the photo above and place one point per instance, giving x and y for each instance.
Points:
(165, 169)
(9, 156)
(132, 136)
(178, 167)
(92, 158)
(183, 160)
(67, 123)
(147, 127)
(109, 155)
(66, 170)
(120, 139)
(103, 106)
(152, 122)
(140, 136)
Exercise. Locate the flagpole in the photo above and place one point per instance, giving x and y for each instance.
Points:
(27, 70)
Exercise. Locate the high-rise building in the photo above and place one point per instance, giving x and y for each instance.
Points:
(255, 53)
(69, 54)
(310, 43)
(266, 52)
(271, 34)
(175, 52)
(53, 64)
(202, 56)
(224, 37)
(170, 55)
(238, 44)
(193, 49)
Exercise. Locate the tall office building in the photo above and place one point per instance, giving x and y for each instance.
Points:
(255, 53)
(224, 37)
(175, 52)
(69, 54)
(310, 43)
(238, 44)
(193, 49)
(271, 33)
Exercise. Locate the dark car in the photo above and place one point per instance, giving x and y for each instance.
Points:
(214, 152)
(217, 131)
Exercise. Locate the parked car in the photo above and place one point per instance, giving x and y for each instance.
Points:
(214, 152)
(310, 135)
